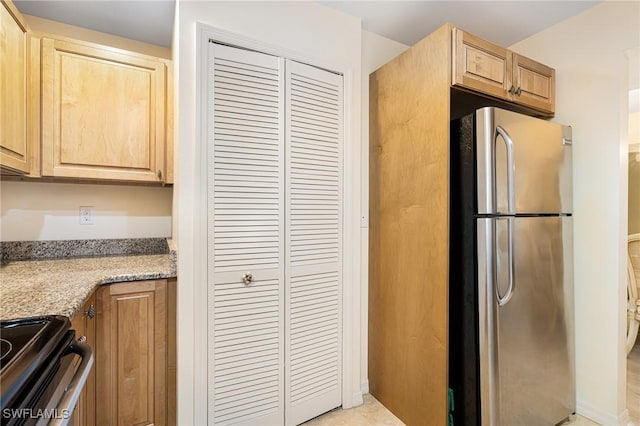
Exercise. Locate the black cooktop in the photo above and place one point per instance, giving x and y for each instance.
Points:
(14, 339)
(26, 345)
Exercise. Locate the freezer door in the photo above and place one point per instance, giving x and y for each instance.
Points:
(531, 320)
(523, 164)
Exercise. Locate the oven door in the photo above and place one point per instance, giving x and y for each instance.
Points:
(64, 391)
(57, 387)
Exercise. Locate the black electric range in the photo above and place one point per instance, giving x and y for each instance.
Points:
(39, 361)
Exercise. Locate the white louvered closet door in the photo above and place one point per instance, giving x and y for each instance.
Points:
(313, 269)
(245, 236)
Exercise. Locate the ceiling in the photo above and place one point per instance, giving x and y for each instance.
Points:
(150, 21)
(502, 22)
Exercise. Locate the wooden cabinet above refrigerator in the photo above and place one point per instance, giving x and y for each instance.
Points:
(486, 68)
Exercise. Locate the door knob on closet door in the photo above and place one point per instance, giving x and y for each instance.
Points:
(247, 278)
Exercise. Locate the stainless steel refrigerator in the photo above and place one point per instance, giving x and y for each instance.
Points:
(511, 320)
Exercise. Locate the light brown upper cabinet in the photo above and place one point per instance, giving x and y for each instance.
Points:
(484, 67)
(104, 113)
(14, 154)
(534, 83)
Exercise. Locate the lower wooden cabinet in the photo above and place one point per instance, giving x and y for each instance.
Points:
(132, 332)
(131, 354)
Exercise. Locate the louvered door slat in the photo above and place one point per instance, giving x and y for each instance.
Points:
(314, 242)
(319, 120)
(253, 91)
(305, 87)
(245, 71)
(255, 382)
(299, 108)
(239, 108)
(245, 235)
(312, 107)
(305, 160)
(245, 80)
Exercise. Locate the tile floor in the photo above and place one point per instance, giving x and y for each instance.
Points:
(372, 413)
(369, 413)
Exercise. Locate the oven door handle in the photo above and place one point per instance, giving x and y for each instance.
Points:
(72, 394)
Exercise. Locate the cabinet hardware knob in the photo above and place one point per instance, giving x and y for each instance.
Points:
(247, 278)
(519, 91)
(160, 174)
(82, 339)
(91, 312)
(512, 90)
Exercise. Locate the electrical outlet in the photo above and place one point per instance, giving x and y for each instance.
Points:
(86, 215)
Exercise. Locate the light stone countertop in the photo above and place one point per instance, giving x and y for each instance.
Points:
(61, 286)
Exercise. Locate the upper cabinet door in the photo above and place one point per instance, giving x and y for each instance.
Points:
(13, 86)
(480, 65)
(488, 69)
(534, 82)
(103, 113)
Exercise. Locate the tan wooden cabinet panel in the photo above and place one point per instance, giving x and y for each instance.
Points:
(480, 65)
(483, 67)
(534, 83)
(84, 323)
(131, 374)
(14, 41)
(103, 113)
(408, 236)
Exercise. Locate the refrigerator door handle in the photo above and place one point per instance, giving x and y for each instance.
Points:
(511, 201)
(503, 300)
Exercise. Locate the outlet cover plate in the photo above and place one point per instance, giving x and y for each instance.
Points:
(86, 215)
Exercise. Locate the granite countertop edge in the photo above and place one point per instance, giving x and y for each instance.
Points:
(30, 288)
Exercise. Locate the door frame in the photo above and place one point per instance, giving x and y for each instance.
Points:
(192, 309)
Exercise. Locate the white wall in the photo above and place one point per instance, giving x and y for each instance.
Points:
(40, 211)
(309, 32)
(588, 53)
(376, 51)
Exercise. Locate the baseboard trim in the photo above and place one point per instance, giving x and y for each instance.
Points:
(625, 418)
(605, 419)
(356, 399)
